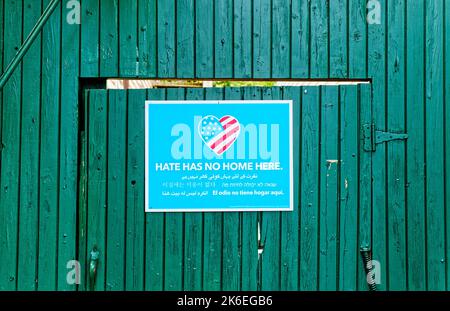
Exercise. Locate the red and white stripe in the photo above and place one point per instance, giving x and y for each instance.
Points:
(225, 139)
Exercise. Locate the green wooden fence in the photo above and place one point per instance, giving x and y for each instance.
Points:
(42, 116)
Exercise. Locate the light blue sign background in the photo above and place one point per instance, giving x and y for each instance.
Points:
(217, 190)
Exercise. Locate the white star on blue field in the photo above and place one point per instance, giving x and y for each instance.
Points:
(210, 128)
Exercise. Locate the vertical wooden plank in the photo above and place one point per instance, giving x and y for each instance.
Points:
(29, 155)
(68, 150)
(309, 204)
(338, 39)
(9, 175)
(147, 46)
(128, 51)
(250, 278)
(415, 120)
(281, 36)
(447, 127)
(242, 39)
(290, 221)
(365, 182)
(204, 39)
(300, 47)
(212, 227)
(348, 228)
(223, 48)
(109, 38)
(193, 234)
(97, 175)
(270, 231)
(155, 222)
(135, 227)
(357, 37)
(319, 39)
(328, 201)
(377, 70)
(116, 189)
(90, 29)
(185, 38)
(262, 38)
(174, 234)
(396, 149)
(49, 151)
(435, 146)
(166, 39)
(232, 256)
(2, 33)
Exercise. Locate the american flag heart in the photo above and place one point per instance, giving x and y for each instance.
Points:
(219, 134)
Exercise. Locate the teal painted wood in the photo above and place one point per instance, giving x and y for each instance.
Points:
(300, 48)
(357, 37)
(97, 184)
(369, 54)
(250, 276)
(174, 234)
(262, 38)
(290, 221)
(329, 208)
(68, 151)
(166, 39)
(136, 235)
(338, 38)
(2, 32)
(281, 38)
(319, 39)
(223, 34)
(270, 229)
(348, 189)
(116, 194)
(447, 128)
(147, 45)
(415, 171)
(365, 211)
(377, 63)
(193, 233)
(9, 175)
(242, 38)
(309, 210)
(90, 29)
(49, 151)
(29, 156)
(128, 54)
(185, 38)
(434, 157)
(212, 231)
(232, 233)
(396, 150)
(204, 38)
(358, 64)
(109, 38)
(82, 208)
(154, 223)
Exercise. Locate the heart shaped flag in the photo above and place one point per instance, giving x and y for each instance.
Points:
(219, 134)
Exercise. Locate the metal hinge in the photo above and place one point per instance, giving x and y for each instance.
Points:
(374, 137)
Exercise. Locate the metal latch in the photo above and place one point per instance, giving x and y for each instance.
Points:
(373, 137)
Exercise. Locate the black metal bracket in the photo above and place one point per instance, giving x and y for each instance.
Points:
(373, 137)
